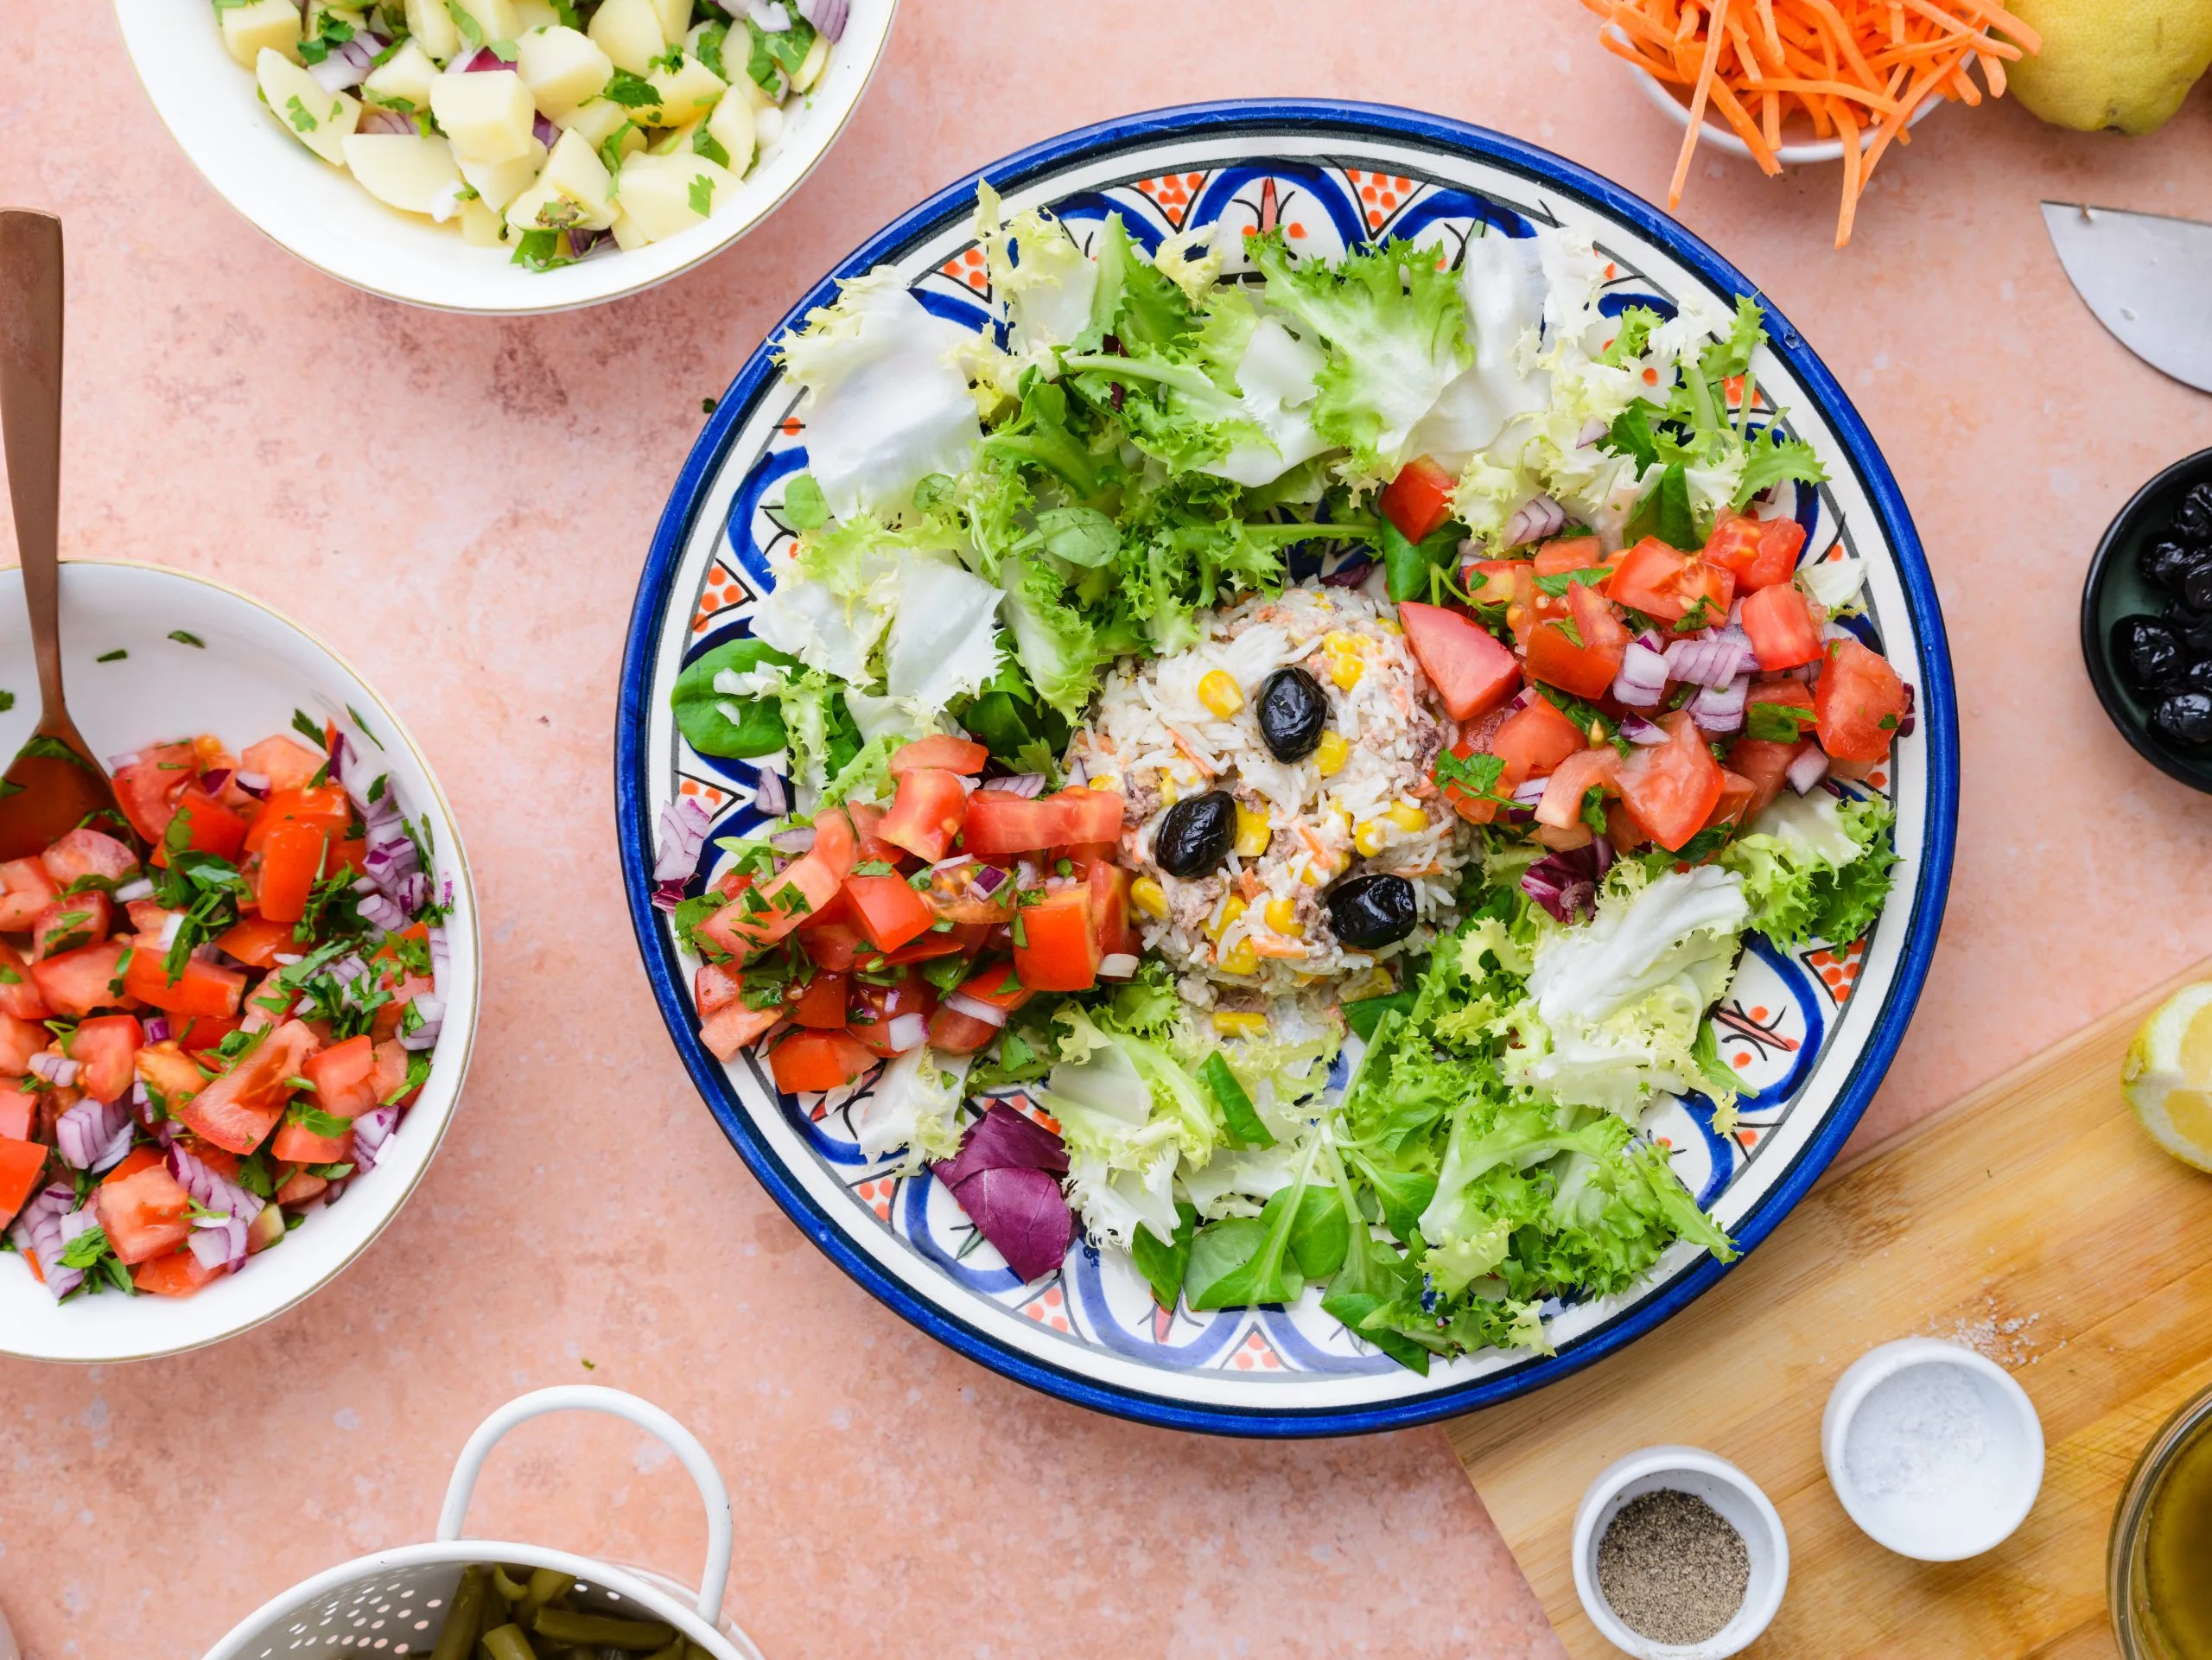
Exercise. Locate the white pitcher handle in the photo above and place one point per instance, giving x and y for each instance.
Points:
(589, 1397)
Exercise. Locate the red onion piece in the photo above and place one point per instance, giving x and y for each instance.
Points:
(1720, 709)
(1911, 713)
(1028, 785)
(798, 839)
(828, 16)
(57, 1070)
(254, 783)
(92, 1135)
(212, 1250)
(1350, 574)
(1808, 769)
(544, 131)
(1531, 792)
(1637, 729)
(988, 880)
(38, 1232)
(684, 826)
(116, 763)
(212, 1191)
(375, 119)
(907, 1032)
(482, 61)
(371, 1131)
(976, 1009)
(1533, 521)
(667, 896)
(1117, 965)
(139, 889)
(770, 15)
(769, 793)
(1713, 662)
(157, 1028)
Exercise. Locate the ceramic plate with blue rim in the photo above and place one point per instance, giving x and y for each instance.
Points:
(1809, 1032)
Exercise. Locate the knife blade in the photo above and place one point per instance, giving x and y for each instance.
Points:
(2146, 278)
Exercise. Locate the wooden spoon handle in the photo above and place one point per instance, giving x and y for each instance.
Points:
(30, 420)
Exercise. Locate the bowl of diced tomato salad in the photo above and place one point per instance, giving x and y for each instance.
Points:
(235, 1012)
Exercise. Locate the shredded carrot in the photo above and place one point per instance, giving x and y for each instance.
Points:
(1859, 69)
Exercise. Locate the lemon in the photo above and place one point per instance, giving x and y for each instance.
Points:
(2167, 1077)
(2124, 64)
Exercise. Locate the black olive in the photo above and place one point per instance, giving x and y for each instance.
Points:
(1292, 710)
(2165, 564)
(2192, 628)
(2199, 678)
(1372, 911)
(1194, 837)
(2193, 518)
(2149, 657)
(2186, 717)
(2197, 587)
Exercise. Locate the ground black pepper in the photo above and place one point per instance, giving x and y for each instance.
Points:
(1671, 1568)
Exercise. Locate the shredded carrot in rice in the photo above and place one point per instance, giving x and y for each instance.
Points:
(1856, 69)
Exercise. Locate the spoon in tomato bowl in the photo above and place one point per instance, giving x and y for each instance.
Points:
(54, 784)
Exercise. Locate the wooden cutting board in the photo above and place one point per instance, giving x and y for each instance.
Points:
(2031, 1220)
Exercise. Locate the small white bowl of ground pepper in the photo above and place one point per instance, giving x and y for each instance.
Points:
(1678, 1555)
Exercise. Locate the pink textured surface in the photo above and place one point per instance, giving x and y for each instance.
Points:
(462, 507)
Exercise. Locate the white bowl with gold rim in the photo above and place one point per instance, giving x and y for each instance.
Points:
(253, 668)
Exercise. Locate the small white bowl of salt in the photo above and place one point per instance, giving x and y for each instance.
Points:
(1934, 1450)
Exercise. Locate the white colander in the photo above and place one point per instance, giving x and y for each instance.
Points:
(391, 1604)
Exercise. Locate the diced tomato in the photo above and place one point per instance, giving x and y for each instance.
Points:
(291, 864)
(1536, 738)
(926, 813)
(868, 840)
(714, 987)
(1419, 499)
(325, 807)
(1482, 809)
(168, 1072)
(890, 913)
(297, 1144)
(1780, 626)
(817, 1060)
(1860, 703)
(145, 1216)
(956, 896)
(940, 750)
(147, 789)
(1489, 581)
(1531, 605)
(177, 1275)
(138, 1158)
(728, 1030)
(1094, 816)
(1765, 765)
(344, 1076)
(210, 826)
(394, 1067)
(962, 939)
(21, 1163)
(833, 944)
(25, 890)
(78, 981)
(952, 1033)
(239, 1110)
(103, 1049)
(195, 1033)
(1670, 788)
(1580, 773)
(257, 940)
(346, 855)
(1737, 794)
(806, 887)
(999, 823)
(1109, 909)
(287, 763)
(822, 1005)
(200, 988)
(67, 923)
(1708, 591)
(300, 1186)
(1470, 669)
(19, 1041)
(1757, 552)
(18, 1112)
(85, 853)
(1645, 579)
(875, 1008)
(1567, 553)
(1598, 624)
(1556, 660)
(1056, 946)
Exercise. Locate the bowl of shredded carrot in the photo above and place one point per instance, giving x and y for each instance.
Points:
(1787, 82)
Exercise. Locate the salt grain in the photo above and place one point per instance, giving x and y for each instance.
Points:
(1921, 1430)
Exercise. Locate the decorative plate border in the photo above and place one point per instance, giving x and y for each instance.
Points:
(1908, 939)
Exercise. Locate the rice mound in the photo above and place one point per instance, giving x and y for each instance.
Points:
(1151, 736)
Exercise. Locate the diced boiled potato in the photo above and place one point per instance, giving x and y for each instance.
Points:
(665, 193)
(433, 27)
(575, 189)
(414, 173)
(498, 183)
(320, 11)
(731, 126)
(561, 67)
(687, 92)
(494, 19)
(480, 226)
(629, 32)
(536, 14)
(404, 77)
(264, 25)
(318, 119)
(675, 17)
(627, 236)
(596, 121)
(488, 116)
(811, 66)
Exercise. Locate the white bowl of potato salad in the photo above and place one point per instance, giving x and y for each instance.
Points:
(505, 156)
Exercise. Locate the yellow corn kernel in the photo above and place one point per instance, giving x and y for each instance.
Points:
(1169, 795)
(1252, 833)
(1150, 897)
(1345, 663)
(1282, 916)
(1332, 754)
(1315, 872)
(1219, 692)
(1371, 838)
(1241, 959)
(1407, 818)
(1387, 626)
(1231, 908)
(1105, 781)
(1375, 982)
(1234, 1023)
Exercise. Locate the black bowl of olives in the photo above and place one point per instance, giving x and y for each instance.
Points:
(2146, 621)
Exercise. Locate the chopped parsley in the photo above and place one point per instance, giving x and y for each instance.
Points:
(185, 637)
(119, 653)
(1776, 723)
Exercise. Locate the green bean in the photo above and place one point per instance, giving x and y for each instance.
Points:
(693, 1651)
(459, 1635)
(508, 1642)
(547, 1586)
(601, 1631)
(513, 1586)
(673, 1651)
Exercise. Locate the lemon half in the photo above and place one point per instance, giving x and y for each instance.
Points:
(2167, 1077)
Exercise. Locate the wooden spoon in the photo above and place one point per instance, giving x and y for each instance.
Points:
(54, 784)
